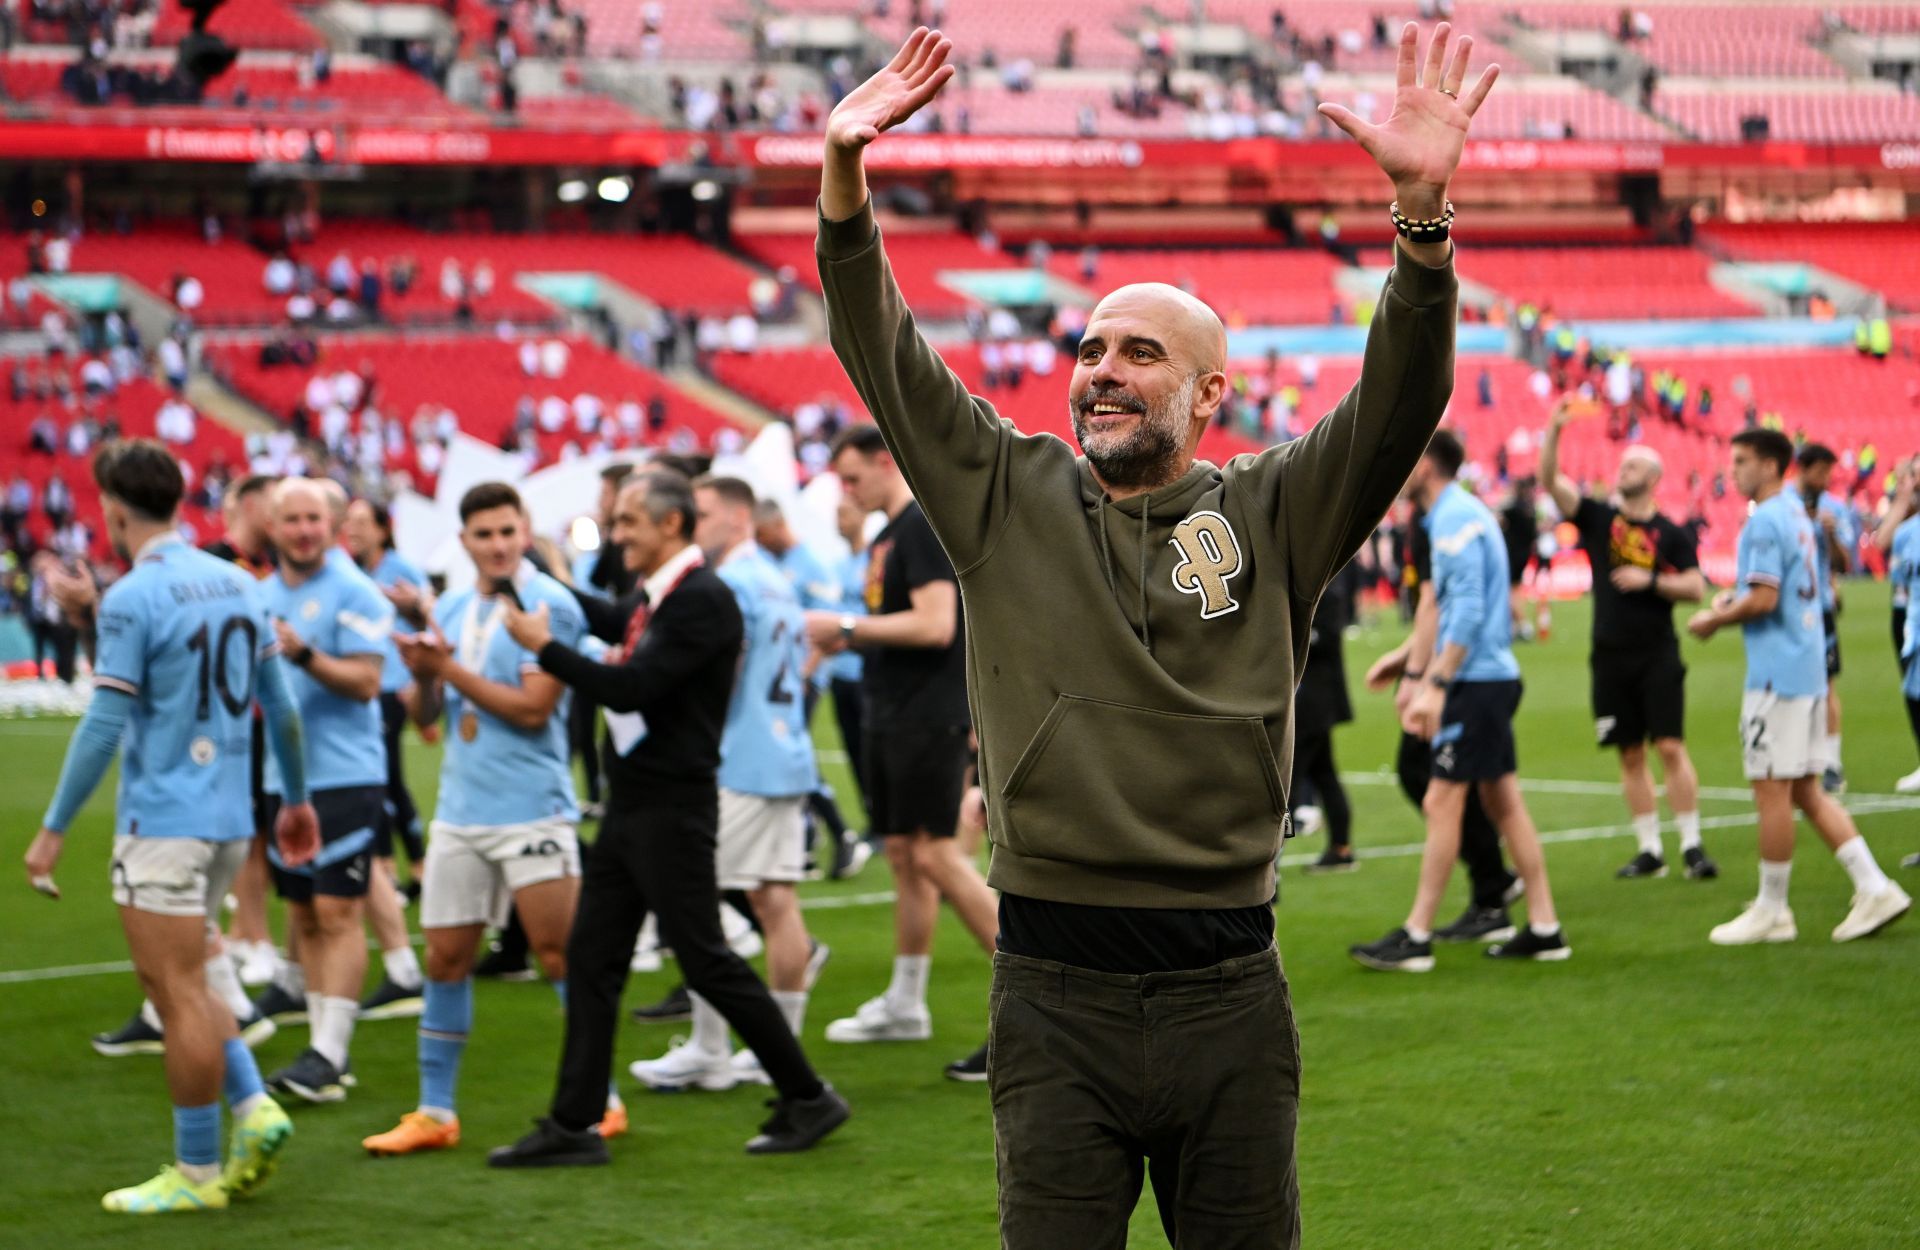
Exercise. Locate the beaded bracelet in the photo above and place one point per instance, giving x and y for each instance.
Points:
(1430, 230)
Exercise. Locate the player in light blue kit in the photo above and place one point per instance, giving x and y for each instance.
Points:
(368, 534)
(819, 591)
(505, 828)
(1903, 570)
(332, 623)
(1836, 537)
(185, 649)
(1465, 708)
(766, 773)
(1783, 715)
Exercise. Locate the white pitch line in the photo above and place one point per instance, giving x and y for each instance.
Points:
(1860, 805)
(61, 974)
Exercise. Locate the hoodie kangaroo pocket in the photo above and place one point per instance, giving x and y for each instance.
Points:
(1116, 786)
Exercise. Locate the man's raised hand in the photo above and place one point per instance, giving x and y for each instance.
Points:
(1420, 143)
(914, 76)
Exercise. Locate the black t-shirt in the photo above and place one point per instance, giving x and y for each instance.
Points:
(1131, 941)
(1640, 618)
(261, 566)
(1522, 530)
(912, 685)
(1419, 551)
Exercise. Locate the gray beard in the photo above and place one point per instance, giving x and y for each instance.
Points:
(1150, 455)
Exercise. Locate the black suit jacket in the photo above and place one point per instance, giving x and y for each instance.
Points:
(679, 678)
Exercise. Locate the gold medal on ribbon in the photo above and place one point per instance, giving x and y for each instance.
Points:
(469, 726)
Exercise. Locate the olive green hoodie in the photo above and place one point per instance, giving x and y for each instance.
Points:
(1131, 664)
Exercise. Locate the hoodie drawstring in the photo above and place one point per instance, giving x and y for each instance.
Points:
(1146, 625)
(1106, 548)
(1106, 561)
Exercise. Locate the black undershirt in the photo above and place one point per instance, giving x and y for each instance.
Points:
(1131, 940)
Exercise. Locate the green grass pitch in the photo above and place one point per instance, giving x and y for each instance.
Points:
(1653, 1092)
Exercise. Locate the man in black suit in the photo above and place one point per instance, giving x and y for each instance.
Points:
(666, 687)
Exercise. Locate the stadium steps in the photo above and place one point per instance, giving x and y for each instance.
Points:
(214, 400)
(730, 403)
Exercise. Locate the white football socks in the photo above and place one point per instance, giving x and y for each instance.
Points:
(403, 967)
(793, 1005)
(330, 1020)
(1860, 865)
(1689, 823)
(1646, 831)
(709, 1027)
(908, 989)
(225, 980)
(1773, 882)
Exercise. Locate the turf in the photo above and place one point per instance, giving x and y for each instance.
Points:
(1653, 1092)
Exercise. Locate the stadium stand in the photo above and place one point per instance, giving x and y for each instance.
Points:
(1877, 255)
(482, 381)
(1608, 283)
(131, 406)
(918, 261)
(1246, 286)
(1714, 110)
(260, 86)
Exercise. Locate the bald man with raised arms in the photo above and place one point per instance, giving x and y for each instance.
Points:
(1135, 620)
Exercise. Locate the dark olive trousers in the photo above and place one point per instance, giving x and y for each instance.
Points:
(1099, 1080)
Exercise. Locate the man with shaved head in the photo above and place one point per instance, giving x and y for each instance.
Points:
(1643, 563)
(1135, 622)
(332, 625)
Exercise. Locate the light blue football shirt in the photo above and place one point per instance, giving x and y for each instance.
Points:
(1903, 571)
(338, 611)
(1786, 649)
(1470, 582)
(183, 633)
(393, 569)
(506, 775)
(765, 749)
(854, 568)
(818, 588)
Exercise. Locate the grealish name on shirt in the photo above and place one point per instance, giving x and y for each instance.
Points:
(204, 592)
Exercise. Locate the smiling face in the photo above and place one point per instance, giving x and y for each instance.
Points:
(1146, 381)
(644, 540)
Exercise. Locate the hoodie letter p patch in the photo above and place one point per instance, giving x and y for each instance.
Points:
(1209, 557)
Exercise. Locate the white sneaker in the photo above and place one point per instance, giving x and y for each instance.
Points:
(257, 963)
(879, 1021)
(747, 1070)
(740, 933)
(1909, 784)
(685, 1066)
(1873, 912)
(1760, 922)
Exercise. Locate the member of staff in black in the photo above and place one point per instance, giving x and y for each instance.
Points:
(665, 688)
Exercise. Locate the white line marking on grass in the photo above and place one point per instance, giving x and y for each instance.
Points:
(1602, 789)
(1858, 805)
(61, 974)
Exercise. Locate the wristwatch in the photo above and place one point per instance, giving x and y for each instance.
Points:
(846, 629)
(1438, 681)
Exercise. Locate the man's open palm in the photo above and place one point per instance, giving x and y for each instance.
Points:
(913, 77)
(1419, 144)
